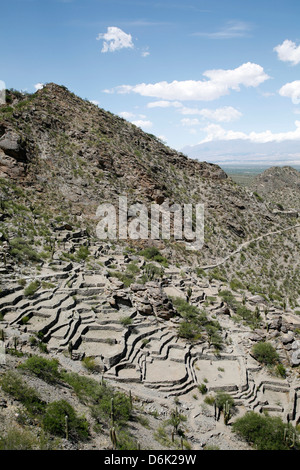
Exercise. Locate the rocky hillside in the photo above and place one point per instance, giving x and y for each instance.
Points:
(67, 156)
(280, 186)
(160, 329)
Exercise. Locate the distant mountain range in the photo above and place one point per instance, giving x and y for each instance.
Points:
(224, 152)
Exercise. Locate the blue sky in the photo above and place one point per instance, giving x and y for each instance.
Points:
(199, 71)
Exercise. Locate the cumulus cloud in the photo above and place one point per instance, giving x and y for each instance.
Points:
(219, 83)
(126, 115)
(291, 90)
(190, 122)
(38, 86)
(288, 51)
(164, 104)
(142, 123)
(95, 102)
(115, 39)
(139, 120)
(224, 114)
(216, 132)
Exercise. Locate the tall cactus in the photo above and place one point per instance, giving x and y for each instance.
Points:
(227, 413)
(112, 412)
(67, 426)
(290, 437)
(113, 437)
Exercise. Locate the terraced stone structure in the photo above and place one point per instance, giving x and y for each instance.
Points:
(132, 334)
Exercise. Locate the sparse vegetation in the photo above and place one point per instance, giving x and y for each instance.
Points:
(266, 432)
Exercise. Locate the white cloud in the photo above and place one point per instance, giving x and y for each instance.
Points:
(224, 114)
(164, 104)
(216, 132)
(288, 51)
(95, 102)
(145, 53)
(115, 39)
(126, 115)
(233, 29)
(38, 86)
(142, 123)
(219, 83)
(190, 122)
(291, 90)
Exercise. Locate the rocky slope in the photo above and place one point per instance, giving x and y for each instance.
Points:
(280, 186)
(169, 325)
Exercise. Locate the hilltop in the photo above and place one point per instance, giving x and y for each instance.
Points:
(280, 186)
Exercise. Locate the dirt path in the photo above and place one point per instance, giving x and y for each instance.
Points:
(247, 243)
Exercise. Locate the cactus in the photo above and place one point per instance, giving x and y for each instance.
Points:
(67, 426)
(217, 411)
(113, 437)
(290, 437)
(112, 412)
(227, 413)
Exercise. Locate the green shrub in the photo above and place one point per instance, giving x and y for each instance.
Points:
(45, 369)
(82, 254)
(127, 278)
(265, 432)
(187, 330)
(55, 422)
(125, 441)
(18, 439)
(222, 398)
(21, 250)
(25, 320)
(32, 288)
(235, 284)
(12, 383)
(86, 388)
(281, 371)
(265, 353)
(121, 405)
(153, 253)
(185, 309)
(89, 363)
(98, 397)
(126, 321)
(202, 389)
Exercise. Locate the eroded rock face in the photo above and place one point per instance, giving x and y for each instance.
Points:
(13, 156)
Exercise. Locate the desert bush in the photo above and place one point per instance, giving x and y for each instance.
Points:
(13, 384)
(45, 369)
(62, 420)
(21, 250)
(265, 353)
(18, 439)
(153, 253)
(266, 432)
(32, 288)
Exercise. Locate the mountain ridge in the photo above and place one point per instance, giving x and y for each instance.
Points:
(148, 323)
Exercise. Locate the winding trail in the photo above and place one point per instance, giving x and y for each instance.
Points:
(247, 243)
